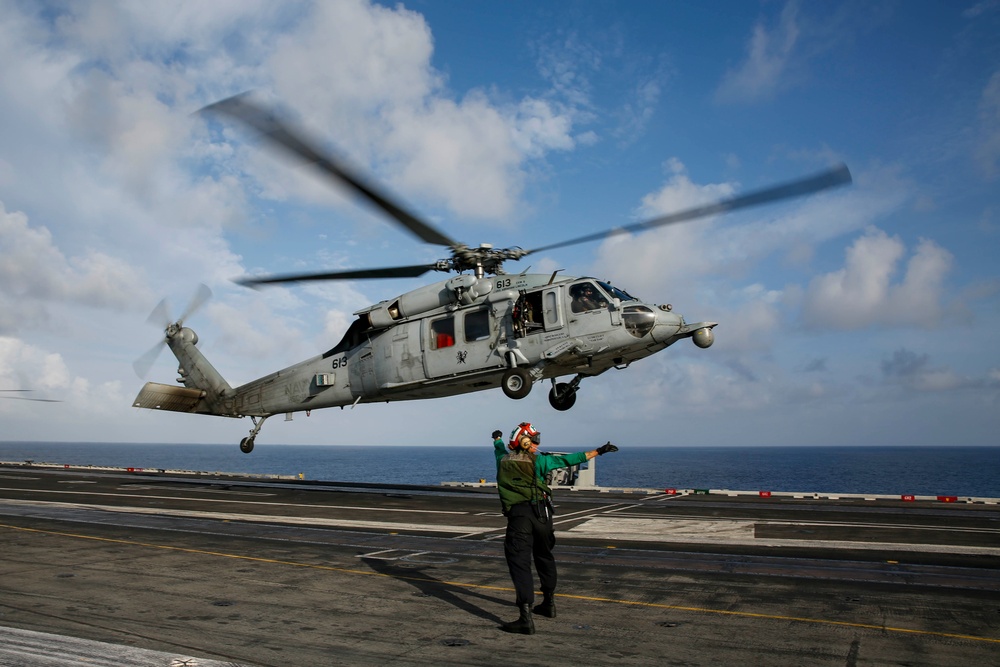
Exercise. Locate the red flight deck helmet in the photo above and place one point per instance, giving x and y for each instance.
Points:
(523, 430)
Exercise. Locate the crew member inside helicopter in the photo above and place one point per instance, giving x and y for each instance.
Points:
(527, 503)
(586, 297)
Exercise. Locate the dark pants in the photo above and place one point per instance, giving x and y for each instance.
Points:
(529, 536)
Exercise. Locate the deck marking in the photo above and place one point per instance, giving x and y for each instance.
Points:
(507, 589)
(739, 532)
(233, 501)
(556, 520)
(254, 518)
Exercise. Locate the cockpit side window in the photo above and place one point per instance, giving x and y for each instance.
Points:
(586, 296)
(615, 292)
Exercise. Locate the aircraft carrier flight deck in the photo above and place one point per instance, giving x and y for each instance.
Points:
(162, 568)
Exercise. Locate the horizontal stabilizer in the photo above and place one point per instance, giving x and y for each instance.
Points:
(157, 396)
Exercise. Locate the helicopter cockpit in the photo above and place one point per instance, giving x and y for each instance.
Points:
(586, 296)
(615, 292)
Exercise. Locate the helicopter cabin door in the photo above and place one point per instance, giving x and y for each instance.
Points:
(458, 343)
(538, 312)
(362, 372)
(552, 312)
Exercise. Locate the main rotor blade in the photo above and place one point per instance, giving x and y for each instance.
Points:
(355, 274)
(27, 398)
(245, 110)
(838, 175)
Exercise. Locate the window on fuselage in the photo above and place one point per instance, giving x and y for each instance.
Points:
(442, 333)
(353, 337)
(477, 326)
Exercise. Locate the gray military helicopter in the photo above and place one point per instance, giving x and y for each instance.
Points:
(478, 330)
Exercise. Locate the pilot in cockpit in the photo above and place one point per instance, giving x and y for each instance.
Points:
(586, 297)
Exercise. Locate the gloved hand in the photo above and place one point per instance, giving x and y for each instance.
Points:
(604, 449)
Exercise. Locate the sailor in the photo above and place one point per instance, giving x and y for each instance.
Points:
(586, 298)
(527, 503)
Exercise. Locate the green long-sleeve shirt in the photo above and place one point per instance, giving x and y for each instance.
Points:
(521, 476)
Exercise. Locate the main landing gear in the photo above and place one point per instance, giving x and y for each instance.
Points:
(516, 382)
(246, 444)
(562, 396)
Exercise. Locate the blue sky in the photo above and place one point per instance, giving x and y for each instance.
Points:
(867, 315)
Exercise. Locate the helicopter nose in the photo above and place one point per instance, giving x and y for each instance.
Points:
(667, 325)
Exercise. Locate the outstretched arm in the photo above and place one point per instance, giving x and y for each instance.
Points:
(603, 449)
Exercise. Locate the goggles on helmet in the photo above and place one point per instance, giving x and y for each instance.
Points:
(524, 430)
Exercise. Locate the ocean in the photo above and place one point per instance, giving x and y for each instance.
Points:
(959, 471)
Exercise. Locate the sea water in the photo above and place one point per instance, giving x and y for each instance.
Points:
(960, 471)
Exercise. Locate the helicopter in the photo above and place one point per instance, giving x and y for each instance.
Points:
(480, 329)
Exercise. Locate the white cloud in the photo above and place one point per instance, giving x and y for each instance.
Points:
(351, 56)
(461, 152)
(913, 371)
(864, 293)
(765, 69)
(980, 8)
(758, 312)
(988, 144)
(567, 62)
(34, 272)
(679, 193)
(25, 366)
(674, 255)
(690, 258)
(537, 128)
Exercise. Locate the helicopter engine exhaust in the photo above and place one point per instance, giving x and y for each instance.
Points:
(703, 337)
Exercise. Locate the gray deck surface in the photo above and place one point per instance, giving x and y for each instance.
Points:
(189, 570)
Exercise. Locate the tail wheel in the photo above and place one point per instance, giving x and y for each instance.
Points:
(516, 383)
(246, 445)
(562, 396)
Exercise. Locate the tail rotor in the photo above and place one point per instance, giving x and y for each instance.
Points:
(161, 317)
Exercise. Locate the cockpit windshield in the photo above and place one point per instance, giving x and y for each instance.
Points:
(615, 292)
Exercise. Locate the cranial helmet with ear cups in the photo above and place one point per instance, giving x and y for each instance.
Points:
(524, 431)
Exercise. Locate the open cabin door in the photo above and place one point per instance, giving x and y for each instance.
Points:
(552, 310)
(539, 311)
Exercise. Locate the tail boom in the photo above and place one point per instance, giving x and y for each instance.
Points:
(204, 392)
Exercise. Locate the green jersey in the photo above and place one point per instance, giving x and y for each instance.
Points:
(521, 475)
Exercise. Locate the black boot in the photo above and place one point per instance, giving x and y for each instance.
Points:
(524, 624)
(548, 606)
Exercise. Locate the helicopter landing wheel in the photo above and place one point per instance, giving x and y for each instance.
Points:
(246, 445)
(562, 396)
(516, 383)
